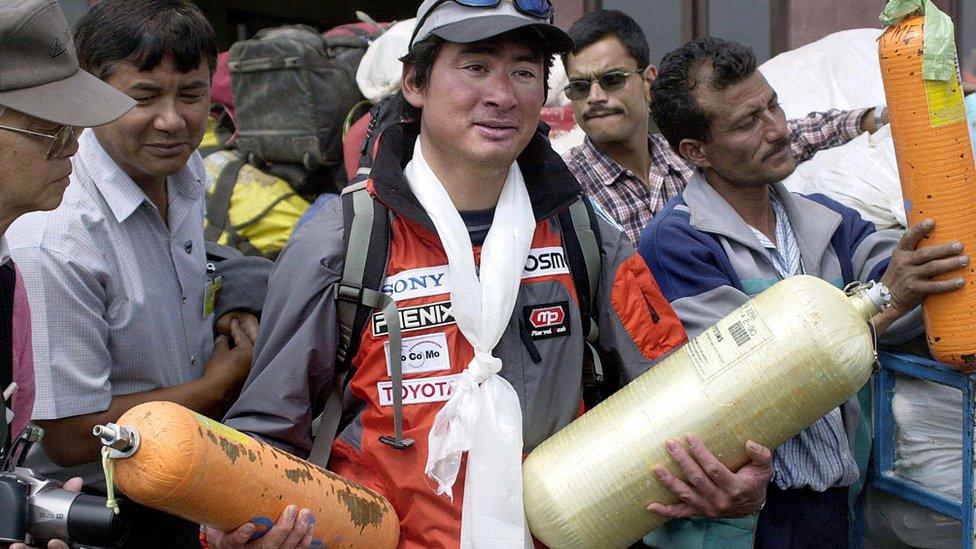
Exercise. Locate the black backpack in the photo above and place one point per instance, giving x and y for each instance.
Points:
(347, 44)
(290, 98)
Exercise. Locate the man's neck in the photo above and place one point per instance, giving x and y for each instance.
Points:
(158, 193)
(632, 153)
(753, 203)
(471, 187)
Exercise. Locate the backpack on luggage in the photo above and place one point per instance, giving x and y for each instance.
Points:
(290, 98)
(291, 91)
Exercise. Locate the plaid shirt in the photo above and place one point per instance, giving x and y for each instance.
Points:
(631, 202)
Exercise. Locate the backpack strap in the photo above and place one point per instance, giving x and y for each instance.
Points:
(367, 243)
(218, 203)
(218, 209)
(584, 223)
(581, 242)
(583, 256)
(326, 426)
(357, 294)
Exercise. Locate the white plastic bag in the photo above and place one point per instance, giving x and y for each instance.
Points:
(841, 71)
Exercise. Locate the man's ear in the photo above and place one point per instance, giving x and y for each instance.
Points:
(648, 77)
(408, 85)
(695, 152)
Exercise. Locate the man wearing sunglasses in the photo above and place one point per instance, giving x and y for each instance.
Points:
(627, 171)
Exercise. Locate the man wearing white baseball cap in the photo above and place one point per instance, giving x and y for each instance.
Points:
(481, 214)
(44, 96)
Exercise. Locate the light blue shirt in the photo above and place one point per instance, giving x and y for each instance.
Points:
(116, 296)
(820, 456)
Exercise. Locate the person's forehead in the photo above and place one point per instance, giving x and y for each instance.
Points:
(603, 55)
(734, 100)
(503, 46)
(22, 119)
(126, 73)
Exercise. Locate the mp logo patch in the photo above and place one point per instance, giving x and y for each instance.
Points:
(548, 320)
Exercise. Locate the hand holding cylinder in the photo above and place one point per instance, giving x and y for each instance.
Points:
(712, 489)
(915, 272)
(293, 530)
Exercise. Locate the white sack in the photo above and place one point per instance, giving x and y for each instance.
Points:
(379, 71)
(841, 71)
(862, 175)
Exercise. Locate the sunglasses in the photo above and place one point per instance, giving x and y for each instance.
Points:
(59, 139)
(609, 81)
(540, 9)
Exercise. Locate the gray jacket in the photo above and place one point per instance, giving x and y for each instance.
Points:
(708, 262)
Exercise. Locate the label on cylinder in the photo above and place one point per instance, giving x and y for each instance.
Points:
(223, 430)
(721, 346)
(946, 103)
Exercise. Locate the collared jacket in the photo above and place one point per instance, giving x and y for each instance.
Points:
(541, 349)
(709, 262)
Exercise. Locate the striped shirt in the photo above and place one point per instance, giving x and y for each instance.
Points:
(633, 203)
(820, 456)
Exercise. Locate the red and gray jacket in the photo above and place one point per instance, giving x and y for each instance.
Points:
(542, 349)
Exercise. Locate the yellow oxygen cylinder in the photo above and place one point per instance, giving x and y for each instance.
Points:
(765, 372)
(170, 458)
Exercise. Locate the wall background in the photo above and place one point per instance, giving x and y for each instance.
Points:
(768, 26)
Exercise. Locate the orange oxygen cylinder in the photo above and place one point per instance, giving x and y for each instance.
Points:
(170, 458)
(938, 179)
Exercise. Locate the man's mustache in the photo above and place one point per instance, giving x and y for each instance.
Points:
(599, 112)
(777, 147)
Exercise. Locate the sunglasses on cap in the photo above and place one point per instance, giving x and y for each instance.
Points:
(540, 9)
(59, 139)
(609, 81)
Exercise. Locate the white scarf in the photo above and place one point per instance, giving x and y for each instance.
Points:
(483, 415)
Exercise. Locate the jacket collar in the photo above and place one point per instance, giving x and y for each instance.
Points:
(813, 224)
(550, 184)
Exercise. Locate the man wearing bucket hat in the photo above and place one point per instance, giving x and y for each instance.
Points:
(123, 290)
(465, 175)
(44, 96)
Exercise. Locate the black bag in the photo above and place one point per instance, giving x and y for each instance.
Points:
(290, 98)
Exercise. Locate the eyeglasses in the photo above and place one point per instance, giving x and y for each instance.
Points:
(609, 81)
(59, 139)
(540, 9)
